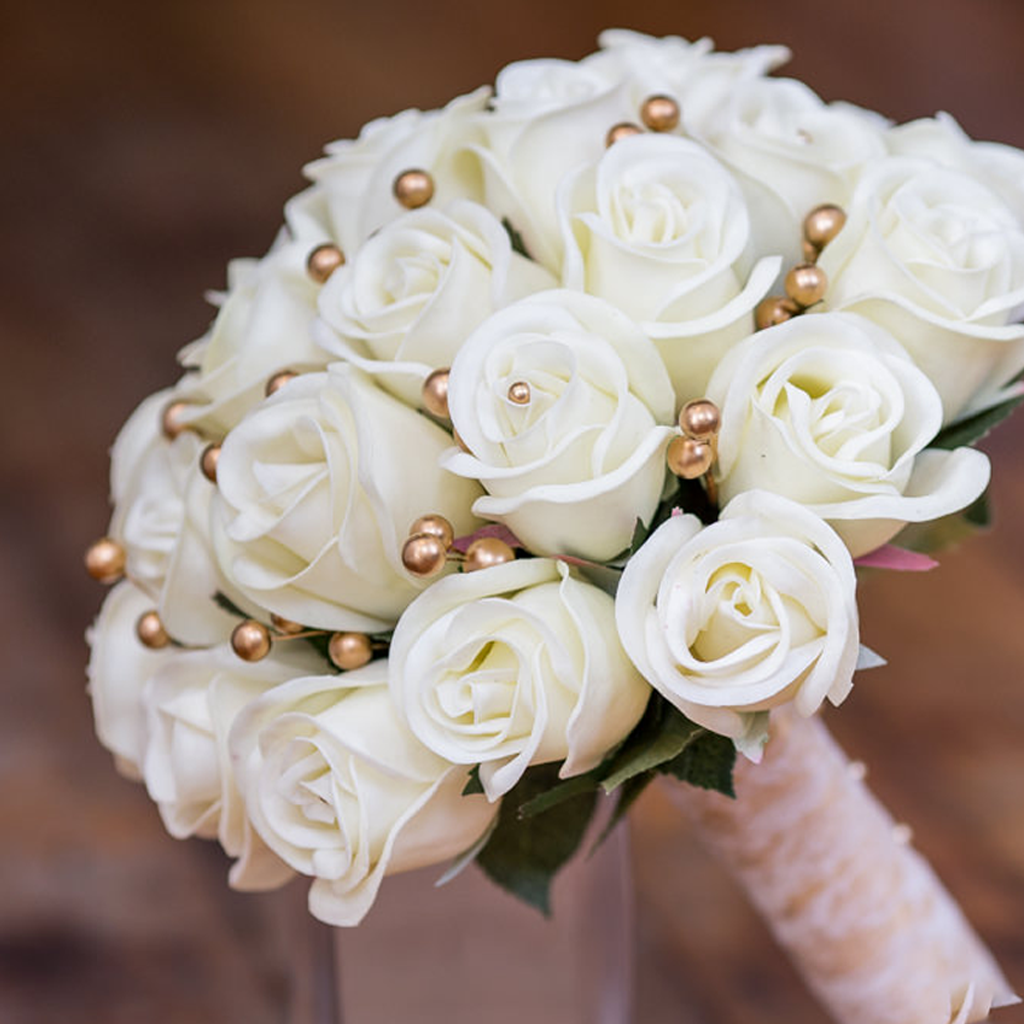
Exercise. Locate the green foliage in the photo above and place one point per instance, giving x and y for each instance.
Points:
(949, 531)
(975, 427)
(515, 238)
(706, 762)
(524, 853)
(473, 783)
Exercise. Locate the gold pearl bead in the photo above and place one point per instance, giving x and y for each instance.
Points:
(250, 640)
(349, 650)
(689, 458)
(435, 393)
(622, 130)
(823, 223)
(208, 462)
(775, 309)
(486, 552)
(172, 420)
(150, 630)
(810, 252)
(700, 419)
(286, 626)
(806, 284)
(105, 560)
(519, 393)
(413, 188)
(323, 261)
(660, 113)
(423, 554)
(435, 526)
(278, 381)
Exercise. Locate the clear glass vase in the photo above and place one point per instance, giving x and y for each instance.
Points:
(469, 952)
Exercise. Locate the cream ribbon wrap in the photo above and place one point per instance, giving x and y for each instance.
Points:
(875, 934)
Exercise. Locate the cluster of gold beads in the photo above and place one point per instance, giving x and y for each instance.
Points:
(430, 546)
(806, 283)
(252, 641)
(658, 113)
(693, 454)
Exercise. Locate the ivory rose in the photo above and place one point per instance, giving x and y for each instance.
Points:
(316, 492)
(119, 666)
(405, 302)
(938, 259)
(161, 510)
(790, 151)
(190, 702)
(551, 116)
(571, 468)
(830, 411)
(515, 665)
(729, 620)
(264, 325)
(659, 228)
(351, 196)
(341, 790)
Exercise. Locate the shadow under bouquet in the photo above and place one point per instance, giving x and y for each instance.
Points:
(537, 459)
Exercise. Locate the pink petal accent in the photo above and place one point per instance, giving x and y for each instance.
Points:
(498, 530)
(888, 556)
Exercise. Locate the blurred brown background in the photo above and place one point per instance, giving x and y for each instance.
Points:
(144, 144)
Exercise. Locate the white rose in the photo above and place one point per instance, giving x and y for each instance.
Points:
(343, 792)
(938, 259)
(190, 702)
(552, 116)
(161, 511)
(414, 291)
(940, 138)
(571, 468)
(729, 620)
(352, 193)
(264, 325)
(790, 151)
(316, 492)
(659, 228)
(515, 665)
(829, 411)
(119, 666)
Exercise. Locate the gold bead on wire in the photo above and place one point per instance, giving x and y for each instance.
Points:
(435, 393)
(172, 420)
(278, 381)
(286, 626)
(822, 224)
(424, 554)
(622, 130)
(519, 393)
(250, 640)
(660, 113)
(434, 526)
(208, 462)
(323, 261)
(349, 650)
(806, 284)
(689, 458)
(105, 560)
(774, 310)
(700, 419)
(413, 188)
(486, 552)
(150, 630)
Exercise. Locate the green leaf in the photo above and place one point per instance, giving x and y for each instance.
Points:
(565, 790)
(515, 238)
(627, 795)
(641, 531)
(706, 762)
(473, 784)
(662, 734)
(948, 531)
(524, 853)
(225, 603)
(975, 427)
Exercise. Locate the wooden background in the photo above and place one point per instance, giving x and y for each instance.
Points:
(144, 144)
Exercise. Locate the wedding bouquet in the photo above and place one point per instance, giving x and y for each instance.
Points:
(537, 458)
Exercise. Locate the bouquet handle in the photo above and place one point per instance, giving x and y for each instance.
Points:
(873, 931)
